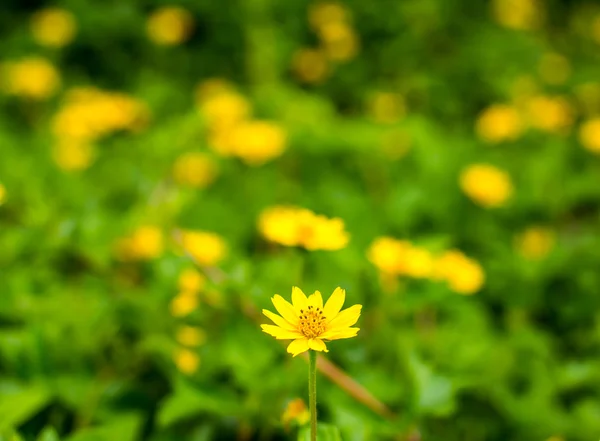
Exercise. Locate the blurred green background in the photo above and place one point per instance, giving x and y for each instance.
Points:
(142, 141)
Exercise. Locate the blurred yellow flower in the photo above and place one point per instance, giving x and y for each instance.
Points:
(295, 411)
(463, 275)
(308, 323)
(324, 13)
(190, 336)
(191, 281)
(186, 361)
(53, 27)
(145, 243)
(386, 107)
(535, 242)
(498, 123)
(486, 185)
(589, 135)
(32, 77)
(223, 111)
(73, 155)
(2, 194)
(310, 65)
(183, 304)
(339, 40)
(588, 96)
(292, 226)
(554, 69)
(395, 144)
(550, 114)
(256, 142)
(205, 248)
(400, 257)
(194, 169)
(169, 25)
(518, 14)
(210, 88)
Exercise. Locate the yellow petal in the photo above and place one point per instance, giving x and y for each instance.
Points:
(334, 304)
(299, 299)
(316, 300)
(317, 344)
(345, 318)
(279, 333)
(336, 334)
(298, 346)
(279, 321)
(285, 309)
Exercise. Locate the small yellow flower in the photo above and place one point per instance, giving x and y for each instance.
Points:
(396, 144)
(257, 142)
(145, 243)
(73, 155)
(194, 170)
(400, 257)
(296, 411)
(554, 69)
(32, 77)
(206, 248)
(387, 108)
(183, 304)
(340, 42)
(53, 27)
(535, 243)
(292, 226)
(518, 14)
(190, 336)
(211, 88)
(499, 123)
(310, 65)
(2, 194)
(186, 361)
(169, 26)
(463, 275)
(550, 114)
(223, 111)
(190, 280)
(322, 14)
(309, 323)
(486, 185)
(589, 135)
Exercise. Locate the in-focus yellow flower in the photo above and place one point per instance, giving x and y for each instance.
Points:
(535, 242)
(498, 123)
(169, 26)
(256, 142)
(292, 226)
(387, 108)
(205, 248)
(486, 185)
(145, 243)
(309, 323)
(463, 275)
(53, 27)
(191, 281)
(310, 65)
(184, 303)
(550, 114)
(223, 111)
(340, 42)
(518, 14)
(73, 155)
(194, 169)
(554, 69)
(296, 411)
(32, 77)
(324, 13)
(186, 361)
(589, 135)
(2, 194)
(190, 336)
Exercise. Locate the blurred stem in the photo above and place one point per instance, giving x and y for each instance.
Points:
(312, 393)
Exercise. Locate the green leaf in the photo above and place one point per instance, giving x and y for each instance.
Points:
(48, 434)
(18, 407)
(122, 427)
(325, 432)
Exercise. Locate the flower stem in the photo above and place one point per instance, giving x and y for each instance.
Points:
(312, 393)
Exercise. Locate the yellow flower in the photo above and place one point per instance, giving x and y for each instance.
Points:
(297, 411)
(310, 65)
(190, 337)
(535, 242)
(183, 304)
(169, 26)
(387, 108)
(486, 185)
(195, 170)
(256, 142)
(554, 69)
(463, 275)
(339, 41)
(293, 226)
(309, 323)
(550, 114)
(518, 14)
(588, 95)
(400, 257)
(32, 77)
(498, 123)
(589, 135)
(223, 111)
(395, 144)
(2, 194)
(186, 361)
(53, 27)
(145, 243)
(322, 14)
(206, 248)
(210, 88)
(190, 280)
(73, 155)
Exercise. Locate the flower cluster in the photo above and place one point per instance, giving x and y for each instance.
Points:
(293, 226)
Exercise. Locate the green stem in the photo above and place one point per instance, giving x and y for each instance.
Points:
(312, 393)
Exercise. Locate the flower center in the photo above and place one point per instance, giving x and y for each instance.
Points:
(312, 322)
